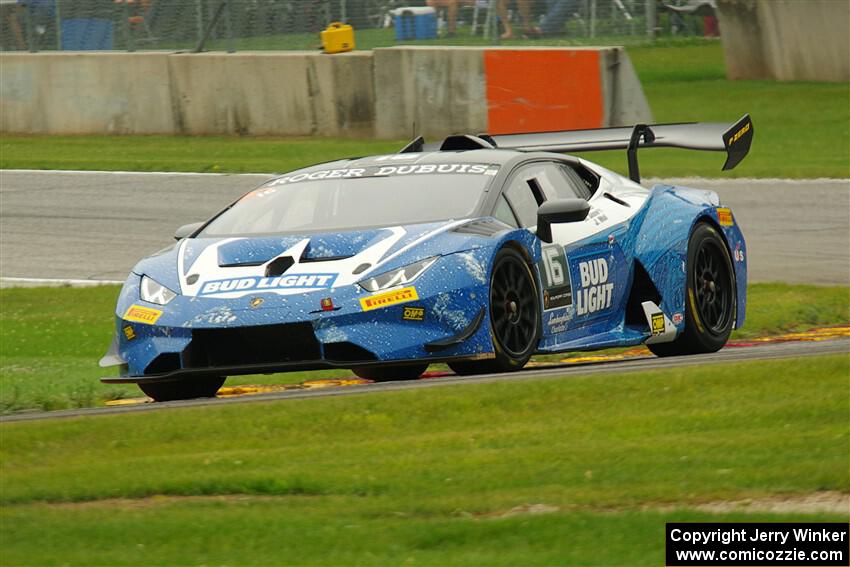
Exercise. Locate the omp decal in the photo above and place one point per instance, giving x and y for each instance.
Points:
(662, 329)
(413, 314)
(139, 314)
(557, 291)
(657, 323)
(737, 135)
(129, 333)
(388, 298)
(724, 216)
(387, 170)
(596, 292)
(294, 281)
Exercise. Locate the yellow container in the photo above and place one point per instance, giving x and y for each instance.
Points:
(338, 38)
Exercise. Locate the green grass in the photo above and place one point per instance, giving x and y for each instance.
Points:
(421, 477)
(52, 339)
(802, 130)
(209, 154)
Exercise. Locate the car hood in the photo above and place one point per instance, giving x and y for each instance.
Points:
(290, 264)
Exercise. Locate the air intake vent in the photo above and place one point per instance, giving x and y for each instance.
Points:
(482, 227)
(642, 290)
(267, 344)
(278, 266)
(165, 362)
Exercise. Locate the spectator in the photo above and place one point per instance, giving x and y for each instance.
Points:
(557, 14)
(451, 7)
(524, 7)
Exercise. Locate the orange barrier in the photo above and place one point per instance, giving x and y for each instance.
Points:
(543, 90)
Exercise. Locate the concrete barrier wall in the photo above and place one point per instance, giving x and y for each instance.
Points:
(446, 90)
(387, 93)
(789, 40)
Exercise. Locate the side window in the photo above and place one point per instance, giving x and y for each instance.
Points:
(578, 185)
(560, 181)
(504, 213)
(525, 195)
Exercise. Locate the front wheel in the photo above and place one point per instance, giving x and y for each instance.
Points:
(187, 389)
(711, 297)
(514, 316)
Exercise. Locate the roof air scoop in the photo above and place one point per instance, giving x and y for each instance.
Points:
(278, 266)
(465, 142)
(414, 146)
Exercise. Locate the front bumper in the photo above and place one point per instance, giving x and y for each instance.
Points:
(200, 336)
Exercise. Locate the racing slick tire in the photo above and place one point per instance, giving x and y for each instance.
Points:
(391, 373)
(514, 316)
(205, 387)
(711, 299)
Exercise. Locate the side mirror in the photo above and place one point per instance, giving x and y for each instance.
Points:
(559, 211)
(186, 230)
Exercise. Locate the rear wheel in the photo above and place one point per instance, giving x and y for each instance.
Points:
(391, 373)
(183, 389)
(711, 298)
(514, 316)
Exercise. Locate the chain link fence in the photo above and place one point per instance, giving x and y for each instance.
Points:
(239, 25)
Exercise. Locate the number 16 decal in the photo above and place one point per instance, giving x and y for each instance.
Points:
(556, 285)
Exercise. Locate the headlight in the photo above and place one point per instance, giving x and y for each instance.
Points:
(154, 292)
(401, 276)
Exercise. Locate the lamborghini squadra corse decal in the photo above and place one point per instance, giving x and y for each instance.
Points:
(387, 170)
(294, 281)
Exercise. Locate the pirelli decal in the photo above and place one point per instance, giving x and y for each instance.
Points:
(388, 298)
(724, 216)
(139, 314)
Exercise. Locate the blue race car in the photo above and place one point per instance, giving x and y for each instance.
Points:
(477, 252)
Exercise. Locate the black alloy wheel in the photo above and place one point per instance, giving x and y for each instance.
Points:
(711, 298)
(712, 287)
(514, 316)
(186, 389)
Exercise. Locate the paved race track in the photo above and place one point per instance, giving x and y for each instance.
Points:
(728, 355)
(96, 225)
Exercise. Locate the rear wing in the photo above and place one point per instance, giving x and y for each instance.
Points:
(734, 139)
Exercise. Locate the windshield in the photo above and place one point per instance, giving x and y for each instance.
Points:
(338, 199)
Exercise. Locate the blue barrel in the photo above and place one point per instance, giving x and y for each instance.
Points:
(415, 23)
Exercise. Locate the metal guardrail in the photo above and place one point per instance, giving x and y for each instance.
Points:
(194, 25)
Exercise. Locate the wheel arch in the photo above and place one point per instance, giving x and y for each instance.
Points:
(528, 245)
(661, 243)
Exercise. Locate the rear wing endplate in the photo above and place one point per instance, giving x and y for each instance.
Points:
(734, 139)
